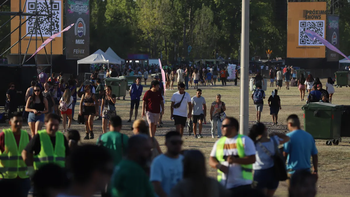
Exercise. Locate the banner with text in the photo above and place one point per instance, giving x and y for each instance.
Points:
(333, 37)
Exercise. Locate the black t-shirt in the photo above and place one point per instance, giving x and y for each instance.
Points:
(34, 145)
(274, 101)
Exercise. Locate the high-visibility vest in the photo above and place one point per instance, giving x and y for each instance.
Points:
(247, 170)
(11, 162)
(47, 153)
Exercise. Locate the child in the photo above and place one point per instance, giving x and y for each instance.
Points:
(73, 139)
(275, 105)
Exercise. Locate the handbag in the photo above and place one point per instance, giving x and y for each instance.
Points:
(222, 115)
(177, 105)
(279, 163)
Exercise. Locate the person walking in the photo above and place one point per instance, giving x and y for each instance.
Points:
(37, 106)
(151, 106)
(48, 95)
(264, 171)
(179, 102)
(180, 75)
(195, 181)
(223, 75)
(145, 76)
(88, 108)
(73, 89)
(309, 82)
(135, 94)
(172, 78)
(199, 112)
(167, 168)
(30, 90)
(107, 107)
(259, 80)
(330, 88)
(233, 156)
(279, 78)
(12, 99)
(287, 77)
(14, 180)
(196, 78)
(275, 105)
(66, 107)
(303, 184)
(258, 97)
(301, 86)
(272, 77)
(48, 146)
(217, 108)
(187, 76)
(299, 148)
(99, 94)
(215, 74)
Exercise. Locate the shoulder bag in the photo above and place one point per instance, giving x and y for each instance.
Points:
(177, 105)
(279, 163)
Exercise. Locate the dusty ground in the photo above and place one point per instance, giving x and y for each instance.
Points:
(334, 174)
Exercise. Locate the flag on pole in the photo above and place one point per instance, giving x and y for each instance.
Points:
(47, 41)
(163, 75)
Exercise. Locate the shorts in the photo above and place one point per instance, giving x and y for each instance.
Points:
(279, 83)
(89, 110)
(198, 117)
(215, 77)
(152, 117)
(108, 114)
(274, 110)
(301, 87)
(68, 112)
(135, 102)
(272, 80)
(265, 179)
(259, 107)
(195, 81)
(180, 120)
(145, 79)
(287, 80)
(36, 118)
(208, 79)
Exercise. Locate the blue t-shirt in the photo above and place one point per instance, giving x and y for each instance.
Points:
(299, 148)
(167, 171)
(209, 75)
(263, 160)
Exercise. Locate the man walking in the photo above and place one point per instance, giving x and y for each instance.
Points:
(279, 78)
(179, 102)
(180, 75)
(233, 156)
(167, 169)
(145, 76)
(300, 148)
(152, 103)
(258, 97)
(199, 112)
(135, 94)
(14, 180)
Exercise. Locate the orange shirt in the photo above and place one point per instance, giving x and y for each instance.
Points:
(222, 73)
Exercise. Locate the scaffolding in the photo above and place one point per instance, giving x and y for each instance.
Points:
(20, 13)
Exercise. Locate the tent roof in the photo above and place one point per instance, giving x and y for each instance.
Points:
(99, 57)
(345, 60)
(111, 53)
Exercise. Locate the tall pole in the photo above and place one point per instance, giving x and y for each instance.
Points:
(244, 102)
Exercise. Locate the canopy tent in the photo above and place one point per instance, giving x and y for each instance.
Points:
(344, 61)
(111, 53)
(99, 57)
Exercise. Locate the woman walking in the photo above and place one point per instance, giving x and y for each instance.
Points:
(301, 86)
(330, 88)
(88, 108)
(172, 78)
(275, 105)
(107, 107)
(66, 106)
(37, 106)
(216, 110)
(309, 82)
(195, 78)
(47, 94)
(264, 172)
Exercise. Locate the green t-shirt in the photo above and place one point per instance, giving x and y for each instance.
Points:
(113, 142)
(129, 179)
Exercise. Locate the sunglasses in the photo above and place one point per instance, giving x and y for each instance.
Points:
(36, 90)
(176, 142)
(226, 125)
(12, 86)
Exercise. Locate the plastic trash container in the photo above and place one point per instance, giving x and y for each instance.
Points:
(345, 123)
(341, 78)
(323, 121)
(118, 86)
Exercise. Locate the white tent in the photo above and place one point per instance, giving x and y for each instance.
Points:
(344, 61)
(99, 57)
(111, 53)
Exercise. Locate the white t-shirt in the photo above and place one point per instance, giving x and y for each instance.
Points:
(279, 75)
(180, 75)
(309, 85)
(69, 105)
(182, 110)
(263, 160)
(139, 73)
(145, 75)
(235, 178)
(330, 88)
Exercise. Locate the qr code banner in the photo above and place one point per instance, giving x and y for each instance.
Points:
(317, 26)
(44, 22)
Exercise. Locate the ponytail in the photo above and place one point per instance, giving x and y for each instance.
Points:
(256, 130)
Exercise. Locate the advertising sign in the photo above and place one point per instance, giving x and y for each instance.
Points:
(333, 37)
(77, 40)
(43, 24)
(304, 16)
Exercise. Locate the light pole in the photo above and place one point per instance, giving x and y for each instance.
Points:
(244, 102)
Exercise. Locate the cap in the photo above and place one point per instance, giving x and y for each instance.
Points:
(319, 85)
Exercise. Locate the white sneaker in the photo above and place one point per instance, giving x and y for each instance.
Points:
(212, 136)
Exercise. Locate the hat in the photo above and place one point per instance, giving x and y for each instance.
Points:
(319, 85)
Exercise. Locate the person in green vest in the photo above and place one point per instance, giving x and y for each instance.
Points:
(14, 180)
(48, 146)
(233, 156)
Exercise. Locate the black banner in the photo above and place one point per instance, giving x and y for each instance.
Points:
(332, 36)
(78, 38)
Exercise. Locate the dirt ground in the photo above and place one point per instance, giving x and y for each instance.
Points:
(334, 174)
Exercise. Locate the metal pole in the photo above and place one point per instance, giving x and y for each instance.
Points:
(20, 34)
(244, 102)
(51, 27)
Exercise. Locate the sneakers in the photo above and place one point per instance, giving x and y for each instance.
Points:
(199, 136)
(86, 137)
(196, 136)
(129, 120)
(91, 135)
(212, 136)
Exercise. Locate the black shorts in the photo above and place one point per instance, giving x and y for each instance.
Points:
(180, 120)
(198, 117)
(89, 110)
(135, 102)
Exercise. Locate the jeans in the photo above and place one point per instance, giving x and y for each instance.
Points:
(14, 187)
(186, 82)
(73, 106)
(216, 125)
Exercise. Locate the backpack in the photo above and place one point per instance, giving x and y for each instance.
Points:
(258, 96)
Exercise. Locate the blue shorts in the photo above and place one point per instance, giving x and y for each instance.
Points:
(34, 118)
(195, 81)
(265, 179)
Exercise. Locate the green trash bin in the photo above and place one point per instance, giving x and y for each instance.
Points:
(341, 78)
(118, 86)
(323, 121)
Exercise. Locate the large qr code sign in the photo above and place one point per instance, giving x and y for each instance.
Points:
(44, 22)
(317, 26)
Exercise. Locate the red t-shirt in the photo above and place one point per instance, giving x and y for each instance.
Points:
(153, 101)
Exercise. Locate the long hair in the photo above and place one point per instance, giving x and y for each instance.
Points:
(195, 171)
(66, 96)
(256, 130)
(330, 80)
(310, 78)
(302, 79)
(40, 95)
